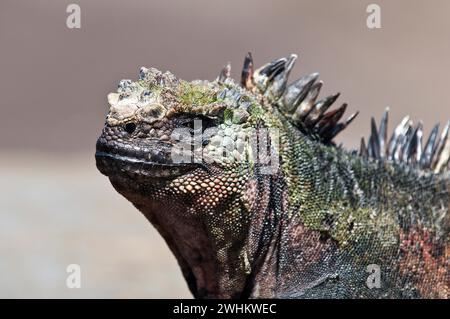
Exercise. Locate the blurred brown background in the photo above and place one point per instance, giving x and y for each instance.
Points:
(56, 209)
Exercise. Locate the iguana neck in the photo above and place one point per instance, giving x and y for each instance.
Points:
(211, 250)
(343, 212)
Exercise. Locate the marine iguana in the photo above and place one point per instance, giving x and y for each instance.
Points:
(255, 200)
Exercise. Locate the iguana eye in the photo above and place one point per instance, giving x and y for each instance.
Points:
(189, 122)
(130, 127)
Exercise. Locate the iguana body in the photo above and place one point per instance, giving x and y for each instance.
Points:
(254, 199)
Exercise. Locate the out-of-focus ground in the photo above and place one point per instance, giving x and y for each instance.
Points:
(56, 209)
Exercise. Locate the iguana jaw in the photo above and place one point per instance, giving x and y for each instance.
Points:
(148, 162)
(132, 166)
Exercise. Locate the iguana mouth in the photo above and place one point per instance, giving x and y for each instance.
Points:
(146, 162)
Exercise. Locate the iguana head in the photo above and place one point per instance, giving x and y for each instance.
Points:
(164, 127)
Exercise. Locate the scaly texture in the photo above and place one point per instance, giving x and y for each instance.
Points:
(254, 199)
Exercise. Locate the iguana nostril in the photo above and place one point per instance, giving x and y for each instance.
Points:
(130, 127)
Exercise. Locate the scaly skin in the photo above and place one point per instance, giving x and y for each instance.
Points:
(306, 228)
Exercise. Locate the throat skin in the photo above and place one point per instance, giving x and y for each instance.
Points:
(211, 262)
(190, 245)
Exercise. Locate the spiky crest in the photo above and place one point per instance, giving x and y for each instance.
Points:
(298, 102)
